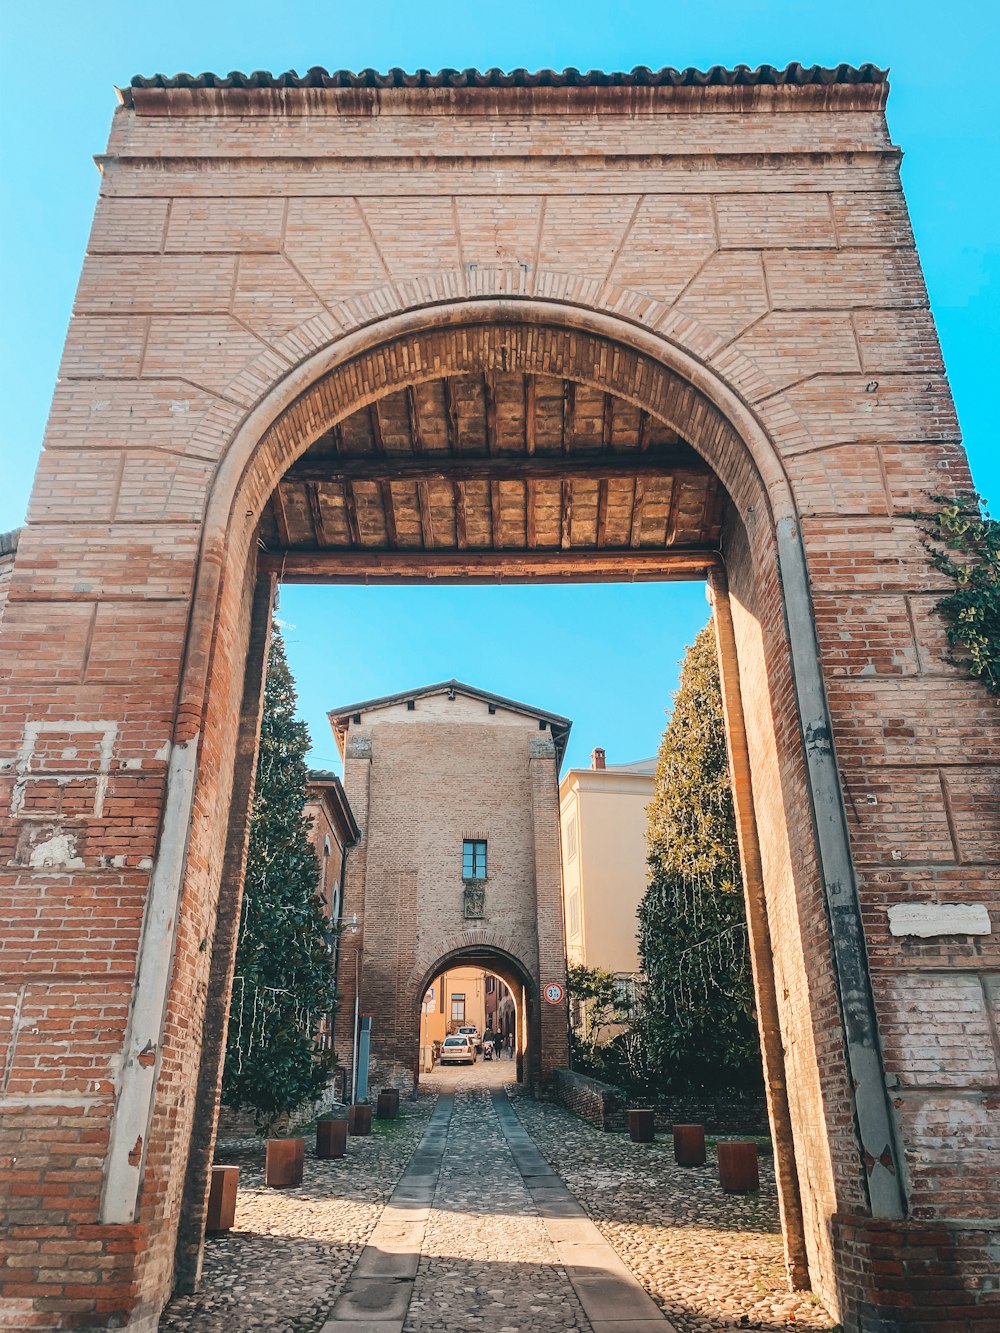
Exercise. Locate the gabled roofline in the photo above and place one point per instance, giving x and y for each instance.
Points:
(558, 725)
(332, 789)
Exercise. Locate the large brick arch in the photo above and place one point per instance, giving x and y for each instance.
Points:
(776, 656)
(748, 241)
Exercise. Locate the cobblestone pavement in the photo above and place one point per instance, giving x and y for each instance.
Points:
(712, 1261)
(487, 1261)
(291, 1250)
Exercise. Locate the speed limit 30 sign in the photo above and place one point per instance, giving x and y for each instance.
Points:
(553, 992)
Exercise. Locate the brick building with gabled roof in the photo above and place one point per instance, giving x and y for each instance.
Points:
(455, 790)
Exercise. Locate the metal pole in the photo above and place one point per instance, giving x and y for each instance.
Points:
(357, 1011)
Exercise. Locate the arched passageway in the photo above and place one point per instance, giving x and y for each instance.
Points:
(522, 1025)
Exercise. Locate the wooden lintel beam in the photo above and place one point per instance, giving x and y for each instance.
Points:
(389, 509)
(280, 515)
(584, 565)
(529, 414)
(602, 513)
(316, 512)
(351, 510)
(671, 458)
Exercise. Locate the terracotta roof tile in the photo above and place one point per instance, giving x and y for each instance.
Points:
(641, 76)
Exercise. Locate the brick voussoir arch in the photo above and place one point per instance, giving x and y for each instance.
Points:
(433, 961)
(321, 343)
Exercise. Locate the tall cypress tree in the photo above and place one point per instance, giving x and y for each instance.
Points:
(284, 978)
(697, 1012)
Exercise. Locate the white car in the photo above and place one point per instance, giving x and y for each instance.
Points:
(457, 1050)
(472, 1032)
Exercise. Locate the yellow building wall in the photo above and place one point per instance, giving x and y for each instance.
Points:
(467, 981)
(607, 875)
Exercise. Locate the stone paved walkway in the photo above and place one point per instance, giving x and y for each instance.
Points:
(456, 1221)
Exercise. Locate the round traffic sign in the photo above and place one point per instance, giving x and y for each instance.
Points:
(553, 992)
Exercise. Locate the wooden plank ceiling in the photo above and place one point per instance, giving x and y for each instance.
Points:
(496, 462)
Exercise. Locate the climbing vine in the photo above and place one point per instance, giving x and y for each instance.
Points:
(964, 542)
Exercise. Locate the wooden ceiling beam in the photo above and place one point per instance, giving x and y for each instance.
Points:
(495, 513)
(608, 423)
(671, 458)
(316, 513)
(490, 406)
(644, 430)
(451, 418)
(280, 516)
(581, 565)
(566, 515)
(671, 527)
(461, 525)
(376, 424)
(389, 509)
(635, 522)
(568, 415)
(426, 522)
(602, 513)
(530, 532)
(413, 413)
(351, 510)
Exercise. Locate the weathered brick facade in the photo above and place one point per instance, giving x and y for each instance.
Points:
(424, 773)
(733, 258)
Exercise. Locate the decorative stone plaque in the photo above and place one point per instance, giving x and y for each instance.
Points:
(474, 900)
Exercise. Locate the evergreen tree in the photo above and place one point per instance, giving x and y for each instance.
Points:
(284, 979)
(697, 1010)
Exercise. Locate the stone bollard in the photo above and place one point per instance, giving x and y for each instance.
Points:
(738, 1167)
(222, 1198)
(640, 1125)
(359, 1118)
(387, 1106)
(689, 1145)
(331, 1138)
(284, 1161)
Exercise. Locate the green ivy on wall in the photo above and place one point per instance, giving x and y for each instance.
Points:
(964, 542)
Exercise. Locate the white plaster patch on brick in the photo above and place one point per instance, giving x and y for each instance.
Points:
(56, 852)
(108, 733)
(927, 920)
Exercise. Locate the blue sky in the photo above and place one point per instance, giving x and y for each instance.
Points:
(605, 656)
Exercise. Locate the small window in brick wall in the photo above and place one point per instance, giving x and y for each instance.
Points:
(473, 859)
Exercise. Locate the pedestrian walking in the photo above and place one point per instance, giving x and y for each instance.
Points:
(497, 1044)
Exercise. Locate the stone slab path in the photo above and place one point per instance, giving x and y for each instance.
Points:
(481, 1233)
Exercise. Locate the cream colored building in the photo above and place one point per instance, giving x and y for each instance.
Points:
(602, 812)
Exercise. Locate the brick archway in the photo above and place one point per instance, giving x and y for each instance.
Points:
(497, 954)
(752, 280)
(761, 588)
